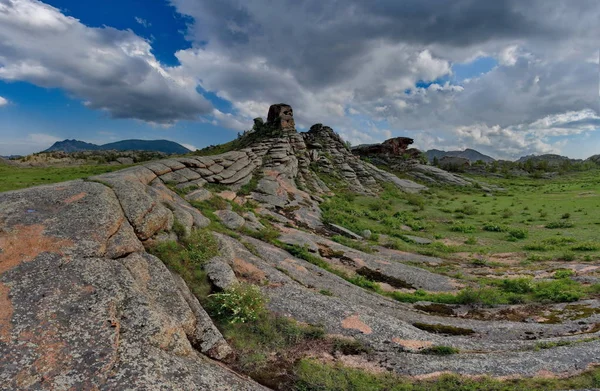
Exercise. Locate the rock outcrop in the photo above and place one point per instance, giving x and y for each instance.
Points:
(398, 146)
(395, 155)
(83, 306)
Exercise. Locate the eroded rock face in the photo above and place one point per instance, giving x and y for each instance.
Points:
(281, 116)
(394, 146)
(83, 306)
(395, 154)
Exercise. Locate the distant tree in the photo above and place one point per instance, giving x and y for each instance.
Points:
(348, 144)
(436, 161)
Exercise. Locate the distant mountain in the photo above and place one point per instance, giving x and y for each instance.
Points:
(468, 153)
(550, 158)
(72, 146)
(593, 159)
(164, 146)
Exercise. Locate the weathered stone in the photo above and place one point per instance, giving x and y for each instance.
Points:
(230, 219)
(125, 160)
(281, 116)
(72, 318)
(199, 195)
(216, 168)
(220, 273)
(343, 231)
(418, 239)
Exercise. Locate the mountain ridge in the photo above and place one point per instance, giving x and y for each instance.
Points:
(469, 153)
(165, 146)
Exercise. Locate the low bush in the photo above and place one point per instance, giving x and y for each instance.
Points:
(517, 234)
(494, 228)
(240, 304)
(468, 210)
(563, 273)
(559, 224)
(559, 240)
(464, 228)
(558, 291)
(536, 247)
(588, 246)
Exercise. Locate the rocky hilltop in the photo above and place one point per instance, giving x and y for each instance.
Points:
(85, 306)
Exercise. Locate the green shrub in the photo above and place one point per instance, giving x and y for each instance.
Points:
(468, 210)
(567, 257)
(536, 247)
(558, 291)
(588, 246)
(517, 234)
(240, 304)
(517, 285)
(471, 241)
(559, 240)
(506, 213)
(566, 216)
(467, 229)
(559, 224)
(415, 200)
(494, 228)
(563, 273)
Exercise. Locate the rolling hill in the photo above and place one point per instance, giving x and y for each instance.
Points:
(165, 146)
(468, 153)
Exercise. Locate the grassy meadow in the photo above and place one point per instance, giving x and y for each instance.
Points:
(532, 219)
(14, 178)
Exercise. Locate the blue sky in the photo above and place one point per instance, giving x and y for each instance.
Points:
(197, 72)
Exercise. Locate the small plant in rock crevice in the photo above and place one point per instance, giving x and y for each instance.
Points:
(241, 303)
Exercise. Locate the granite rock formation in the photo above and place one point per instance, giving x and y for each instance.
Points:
(84, 306)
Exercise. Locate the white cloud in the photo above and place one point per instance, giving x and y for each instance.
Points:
(509, 55)
(190, 147)
(332, 59)
(143, 22)
(3, 101)
(109, 69)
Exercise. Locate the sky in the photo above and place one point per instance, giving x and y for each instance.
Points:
(508, 78)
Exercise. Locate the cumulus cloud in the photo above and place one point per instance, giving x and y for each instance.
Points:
(347, 64)
(333, 61)
(109, 69)
(3, 101)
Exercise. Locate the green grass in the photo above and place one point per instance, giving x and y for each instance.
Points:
(315, 376)
(187, 256)
(14, 178)
(530, 215)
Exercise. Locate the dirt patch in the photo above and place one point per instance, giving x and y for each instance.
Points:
(412, 344)
(6, 312)
(248, 271)
(293, 264)
(362, 363)
(452, 242)
(24, 243)
(507, 258)
(354, 322)
(75, 198)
